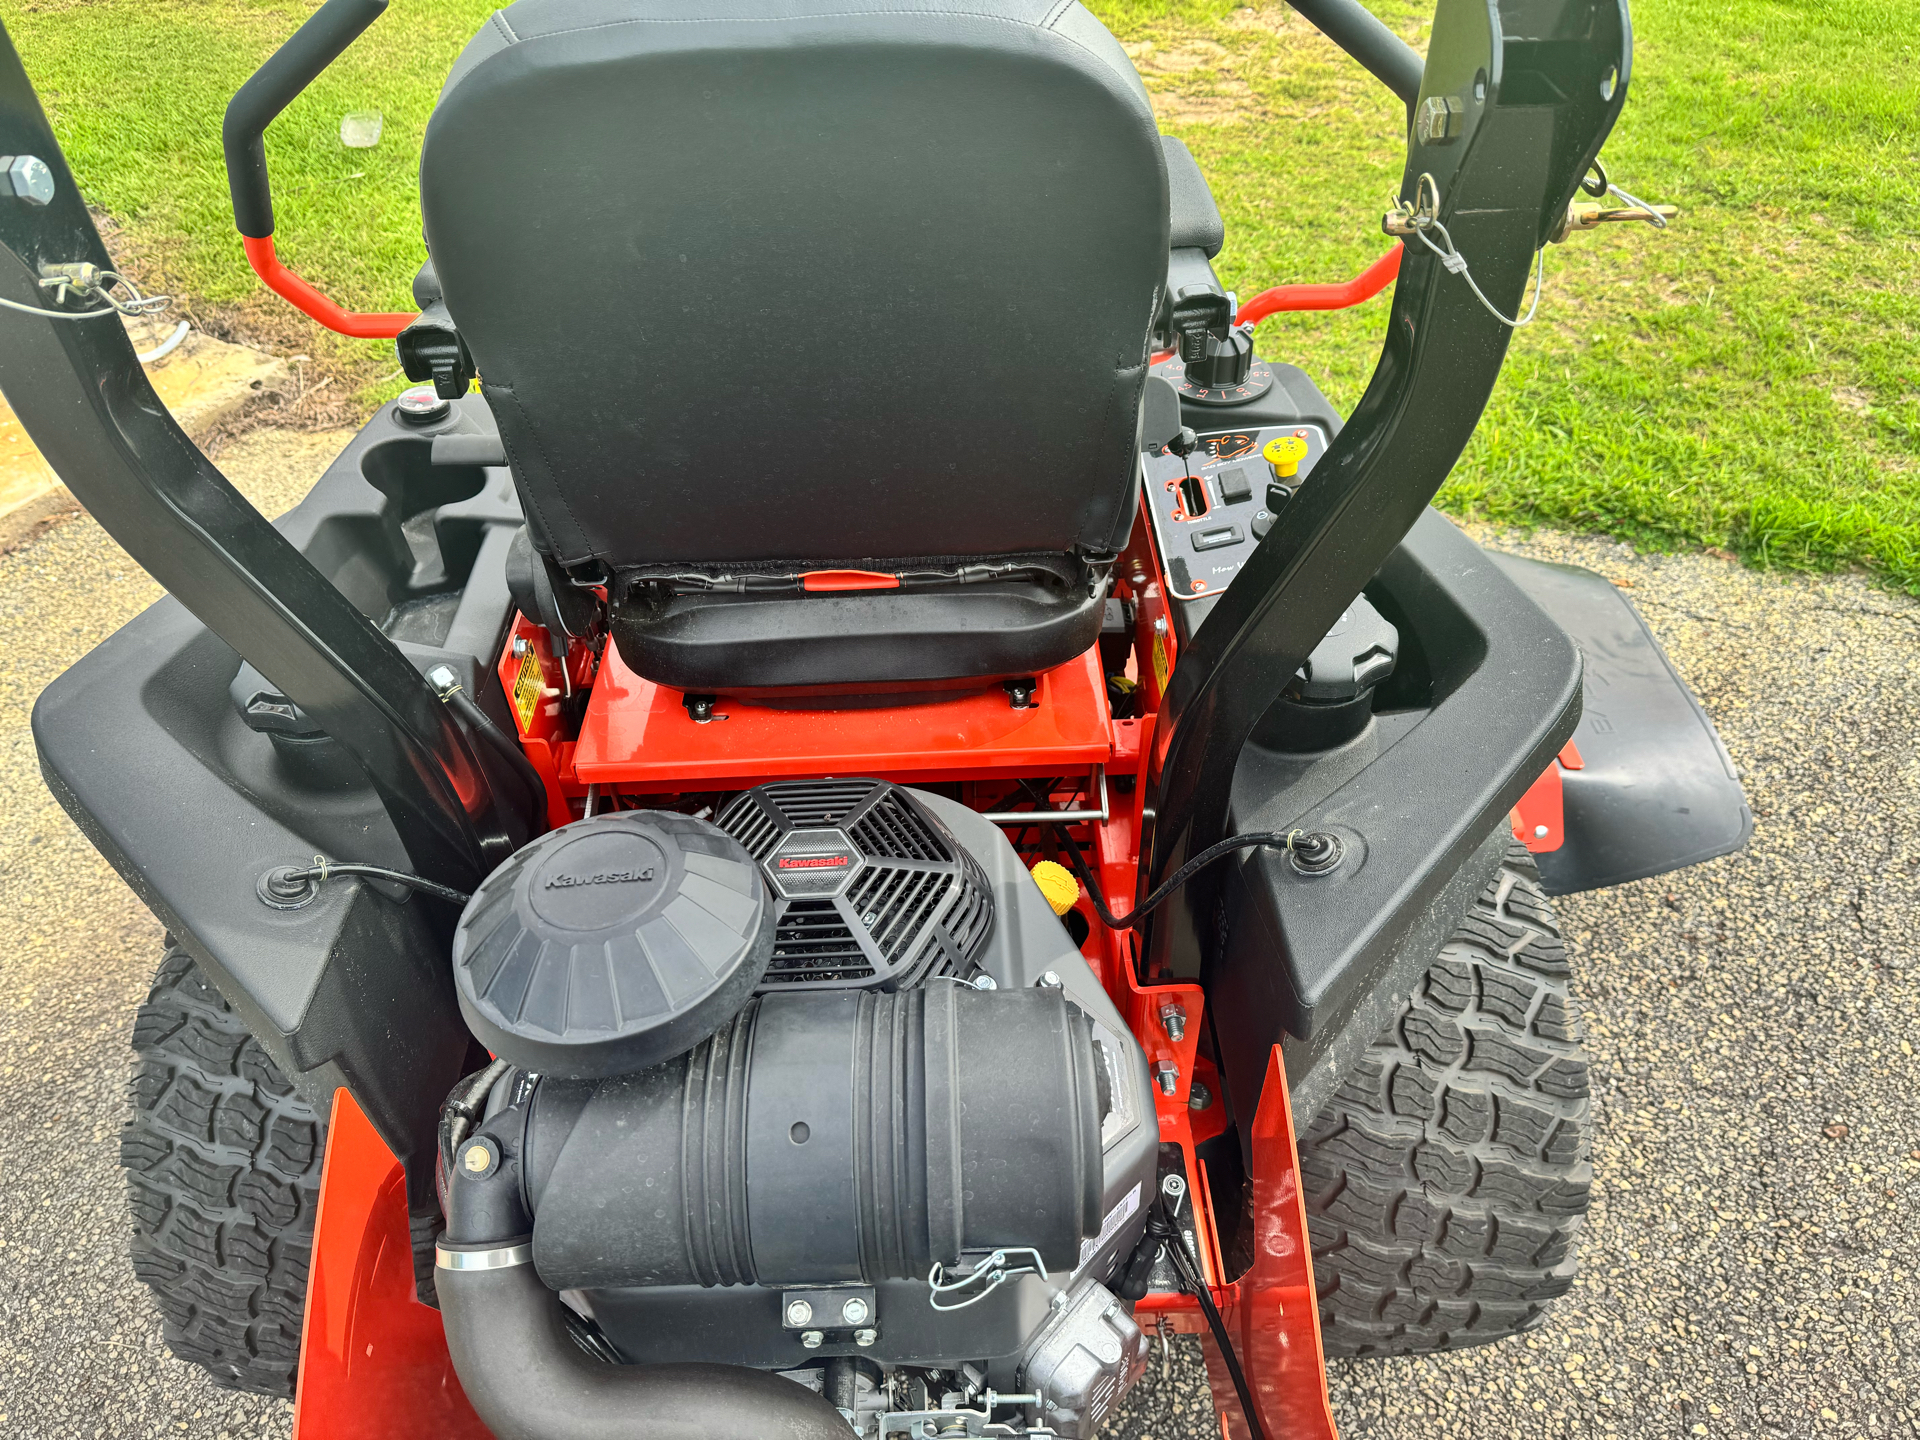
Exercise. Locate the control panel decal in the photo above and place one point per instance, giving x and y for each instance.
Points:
(1212, 506)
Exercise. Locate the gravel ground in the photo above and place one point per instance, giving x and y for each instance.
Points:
(1749, 1266)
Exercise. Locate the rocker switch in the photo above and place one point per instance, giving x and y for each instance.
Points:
(1235, 486)
(1219, 536)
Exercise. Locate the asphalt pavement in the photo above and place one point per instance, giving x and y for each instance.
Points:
(1749, 1266)
(1749, 1263)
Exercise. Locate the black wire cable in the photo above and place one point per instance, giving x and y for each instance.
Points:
(469, 710)
(1281, 840)
(1174, 1245)
(1177, 1253)
(319, 873)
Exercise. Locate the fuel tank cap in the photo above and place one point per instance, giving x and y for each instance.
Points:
(612, 944)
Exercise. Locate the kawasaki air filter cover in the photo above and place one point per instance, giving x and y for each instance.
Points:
(612, 944)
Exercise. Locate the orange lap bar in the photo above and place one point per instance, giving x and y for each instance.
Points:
(1365, 286)
(360, 324)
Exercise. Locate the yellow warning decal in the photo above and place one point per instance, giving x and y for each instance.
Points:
(527, 688)
(1161, 666)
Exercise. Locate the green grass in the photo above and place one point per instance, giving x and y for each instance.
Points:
(1746, 380)
(136, 90)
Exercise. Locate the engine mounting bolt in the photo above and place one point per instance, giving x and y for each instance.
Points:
(1169, 1076)
(866, 1336)
(811, 1340)
(799, 1313)
(853, 1310)
(985, 982)
(1050, 979)
(1173, 1020)
(1199, 1098)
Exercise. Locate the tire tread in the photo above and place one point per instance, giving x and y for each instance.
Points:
(1448, 1177)
(223, 1176)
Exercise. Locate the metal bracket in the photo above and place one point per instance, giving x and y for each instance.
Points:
(957, 1420)
(1027, 818)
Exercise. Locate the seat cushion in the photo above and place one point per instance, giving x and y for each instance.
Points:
(748, 644)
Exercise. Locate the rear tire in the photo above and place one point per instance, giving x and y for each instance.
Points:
(1447, 1179)
(223, 1174)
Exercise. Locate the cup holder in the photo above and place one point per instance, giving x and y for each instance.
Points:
(437, 556)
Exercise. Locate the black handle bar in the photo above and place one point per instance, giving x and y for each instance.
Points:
(288, 71)
(1382, 53)
(338, 23)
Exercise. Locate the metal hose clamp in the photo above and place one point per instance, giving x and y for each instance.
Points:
(497, 1258)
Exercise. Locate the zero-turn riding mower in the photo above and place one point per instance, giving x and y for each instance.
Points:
(852, 809)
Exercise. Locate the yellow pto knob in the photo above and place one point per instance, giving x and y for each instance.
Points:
(1058, 885)
(1284, 455)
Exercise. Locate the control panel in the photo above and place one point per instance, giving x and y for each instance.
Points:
(1212, 506)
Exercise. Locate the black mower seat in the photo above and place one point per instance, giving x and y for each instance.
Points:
(816, 330)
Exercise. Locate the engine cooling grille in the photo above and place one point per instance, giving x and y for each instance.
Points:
(813, 943)
(871, 890)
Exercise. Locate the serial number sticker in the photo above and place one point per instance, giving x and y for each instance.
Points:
(1161, 667)
(1116, 1218)
(527, 690)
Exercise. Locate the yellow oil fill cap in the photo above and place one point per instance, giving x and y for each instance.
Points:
(1058, 885)
(1284, 454)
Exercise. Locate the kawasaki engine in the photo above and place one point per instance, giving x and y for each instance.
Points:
(822, 1089)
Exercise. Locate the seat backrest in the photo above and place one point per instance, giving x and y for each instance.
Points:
(817, 283)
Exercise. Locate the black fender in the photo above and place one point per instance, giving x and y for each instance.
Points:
(1656, 790)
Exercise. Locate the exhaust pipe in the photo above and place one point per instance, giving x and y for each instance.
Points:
(523, 1371)
(526, 1376)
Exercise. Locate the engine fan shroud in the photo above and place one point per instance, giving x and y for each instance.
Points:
(871, 890)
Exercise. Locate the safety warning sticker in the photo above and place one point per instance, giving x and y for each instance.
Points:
(527, 690)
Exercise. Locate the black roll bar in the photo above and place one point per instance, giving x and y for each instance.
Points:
(1522, 118)
(81, 393)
